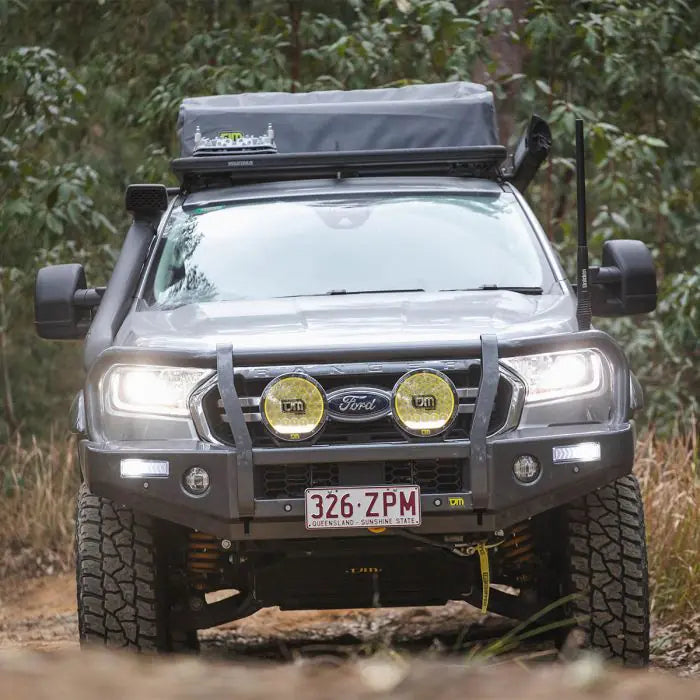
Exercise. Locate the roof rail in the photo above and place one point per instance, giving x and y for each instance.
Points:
(197, 172)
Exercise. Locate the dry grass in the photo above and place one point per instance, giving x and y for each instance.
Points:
(38, 483)
(670, 481)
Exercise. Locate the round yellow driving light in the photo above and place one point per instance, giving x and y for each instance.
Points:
(424, 402)
(293, 407)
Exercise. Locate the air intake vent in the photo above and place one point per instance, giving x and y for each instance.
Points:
(291, 480)
(146, 198)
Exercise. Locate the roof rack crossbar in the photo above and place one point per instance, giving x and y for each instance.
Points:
(474, 161)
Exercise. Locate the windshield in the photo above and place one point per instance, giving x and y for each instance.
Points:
(351, 245)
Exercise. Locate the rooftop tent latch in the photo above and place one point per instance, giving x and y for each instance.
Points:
(532, 150)
(146, 200)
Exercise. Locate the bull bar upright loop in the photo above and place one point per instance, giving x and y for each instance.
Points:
(485, 399)
(239, 431)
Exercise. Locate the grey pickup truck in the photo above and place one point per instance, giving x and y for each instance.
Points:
(340, 365)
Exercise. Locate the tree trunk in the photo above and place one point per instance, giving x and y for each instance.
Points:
(509, 57)
(295, 41)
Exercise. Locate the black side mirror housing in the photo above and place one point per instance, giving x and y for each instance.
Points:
(63, 303)
(625, 284)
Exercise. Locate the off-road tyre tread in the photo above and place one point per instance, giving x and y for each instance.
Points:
(607, 566)
(120, 589)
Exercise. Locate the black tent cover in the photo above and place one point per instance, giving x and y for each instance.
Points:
(457, 114)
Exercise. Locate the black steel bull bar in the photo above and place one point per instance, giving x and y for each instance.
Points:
(476, 468)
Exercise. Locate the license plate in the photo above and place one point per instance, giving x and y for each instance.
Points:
(363, 506)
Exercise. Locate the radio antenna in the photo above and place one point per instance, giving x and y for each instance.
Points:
(583, 306)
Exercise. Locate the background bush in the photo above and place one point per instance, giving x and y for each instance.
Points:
(89, 94)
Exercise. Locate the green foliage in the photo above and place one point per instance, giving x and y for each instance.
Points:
(632, 71)
(89, 94)
(47, 215)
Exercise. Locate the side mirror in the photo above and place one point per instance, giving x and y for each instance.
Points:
(62, 302)
(625, 283)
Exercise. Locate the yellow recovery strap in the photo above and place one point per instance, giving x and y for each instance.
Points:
(485, 575)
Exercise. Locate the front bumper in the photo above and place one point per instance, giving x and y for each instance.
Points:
(217, 512)
(495, 499)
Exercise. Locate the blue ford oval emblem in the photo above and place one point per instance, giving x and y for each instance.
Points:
(358, 404)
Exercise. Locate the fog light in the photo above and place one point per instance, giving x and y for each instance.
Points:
(196, 480)
(526, 468)
(425, 402)
(143, 469)
(580, 452)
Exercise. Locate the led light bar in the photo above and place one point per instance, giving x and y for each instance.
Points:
(579, 452)
(144, 469)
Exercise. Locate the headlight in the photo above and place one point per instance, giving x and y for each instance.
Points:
(151, 390)
(424, 402)
(293, 407)
(559, 375)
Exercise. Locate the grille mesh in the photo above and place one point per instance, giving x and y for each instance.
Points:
(432, 475)
(290, 481)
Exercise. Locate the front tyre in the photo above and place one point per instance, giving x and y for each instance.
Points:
(121, 584)
(605, 563)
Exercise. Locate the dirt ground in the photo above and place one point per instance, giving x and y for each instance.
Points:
(40, 614)
(393, 653)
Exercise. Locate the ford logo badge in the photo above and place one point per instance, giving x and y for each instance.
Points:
(358, 404)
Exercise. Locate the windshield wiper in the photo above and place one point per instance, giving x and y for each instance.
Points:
(334, 292)
(339, 292)
(497, 288)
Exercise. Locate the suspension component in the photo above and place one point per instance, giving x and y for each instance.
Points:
(517, 552)
(204, 554)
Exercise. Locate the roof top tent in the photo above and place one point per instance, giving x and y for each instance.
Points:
(416, 116)
(441, 129)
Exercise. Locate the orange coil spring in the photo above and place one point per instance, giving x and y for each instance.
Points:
(203, 553)
(519, 545)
